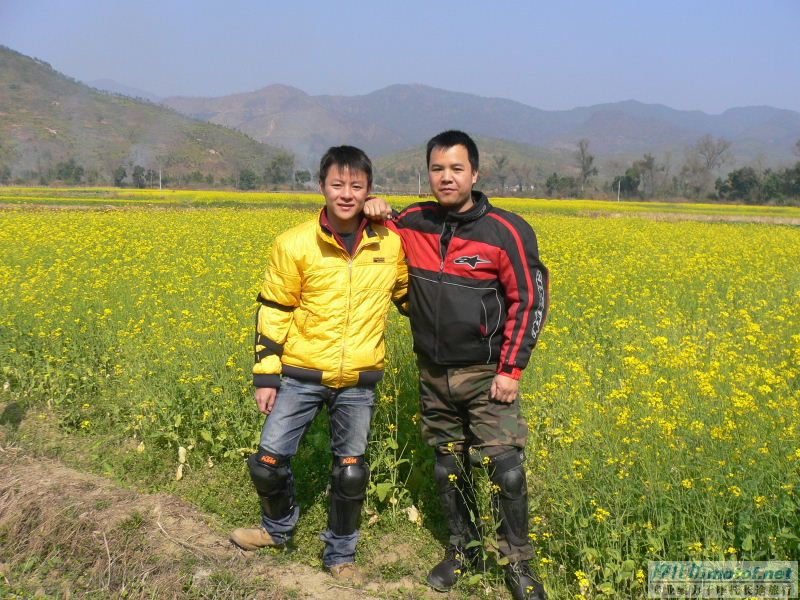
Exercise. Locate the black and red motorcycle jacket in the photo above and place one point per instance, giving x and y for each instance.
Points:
(478, 292)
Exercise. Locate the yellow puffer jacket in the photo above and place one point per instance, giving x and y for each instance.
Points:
(323, 313)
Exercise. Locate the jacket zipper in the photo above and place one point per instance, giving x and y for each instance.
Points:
(350, 260)
(443, 259)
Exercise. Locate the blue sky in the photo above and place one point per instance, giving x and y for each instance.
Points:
(707, 55)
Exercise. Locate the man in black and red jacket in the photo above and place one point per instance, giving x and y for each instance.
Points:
(478, 297)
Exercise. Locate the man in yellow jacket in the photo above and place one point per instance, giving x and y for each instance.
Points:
(320, 340)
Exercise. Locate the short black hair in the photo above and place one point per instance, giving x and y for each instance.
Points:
(351, 157)
(450, 138)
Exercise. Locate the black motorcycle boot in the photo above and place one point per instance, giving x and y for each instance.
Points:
(444, 575)
(522, 583)
(458, 508)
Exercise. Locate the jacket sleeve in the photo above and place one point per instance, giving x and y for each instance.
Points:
(527, 295)
(279, 296)
(400, 291)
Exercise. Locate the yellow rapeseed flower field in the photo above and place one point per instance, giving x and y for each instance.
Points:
(663, 399)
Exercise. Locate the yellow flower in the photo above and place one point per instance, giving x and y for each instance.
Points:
(601, 515)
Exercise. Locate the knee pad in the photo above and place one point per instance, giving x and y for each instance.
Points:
(350, 477)
(348, 487)
(448, 464)
(507, 472)
(272, 478)
(457, 497)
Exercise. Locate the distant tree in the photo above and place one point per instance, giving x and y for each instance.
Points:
(5, 175)
(551, 185)
(281, 169)
(247, 179)
(69, 171)
(500, 165)
(585, 162)
(302, 177)
(646, 169)
(796, 148)
(702, 159)
(741, 184)
(713, 153)
(522, 173)
(778, 186)
(403, 176)
(210, 179)
(138, 176)
(628, 184)
(151, 177)
(748, 185)
(560, 187)
(119, 176)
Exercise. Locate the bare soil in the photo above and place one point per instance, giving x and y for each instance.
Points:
(67, 534)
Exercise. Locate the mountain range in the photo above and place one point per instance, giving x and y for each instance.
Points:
(47, 117)
(398, 117)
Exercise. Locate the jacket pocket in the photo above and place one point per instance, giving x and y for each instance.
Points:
(468, 324)
(491, 314)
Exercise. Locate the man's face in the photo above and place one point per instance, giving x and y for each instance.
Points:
(345, 192)
(451, 177)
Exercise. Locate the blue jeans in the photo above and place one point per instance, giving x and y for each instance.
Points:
(297, 403)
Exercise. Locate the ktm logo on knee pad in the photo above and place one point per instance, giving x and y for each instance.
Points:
(266, 458)
(350, 460)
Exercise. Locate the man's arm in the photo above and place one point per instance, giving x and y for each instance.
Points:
(265, 399)
(377, 209)
(525, 281)
(280, 294)
(400, 290)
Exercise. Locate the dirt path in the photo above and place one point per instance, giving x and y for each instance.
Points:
(72, 534)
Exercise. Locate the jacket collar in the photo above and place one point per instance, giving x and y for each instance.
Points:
(330, 235)
(480, 207)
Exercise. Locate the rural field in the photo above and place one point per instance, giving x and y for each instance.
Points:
(663, 399)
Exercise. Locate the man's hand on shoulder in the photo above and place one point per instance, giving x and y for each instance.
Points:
(377, 209)
(265, 399)
(504, 389)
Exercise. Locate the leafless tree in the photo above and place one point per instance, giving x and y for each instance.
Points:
(500, 164)
(647, 168)
(713, 153)
(522, 173)
(585, 162)
(796, 148)
(702, 159)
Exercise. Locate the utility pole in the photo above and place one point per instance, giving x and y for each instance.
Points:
(619, 185)
(419, 184)
(159, 178)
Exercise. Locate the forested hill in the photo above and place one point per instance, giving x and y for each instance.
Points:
(48, 120)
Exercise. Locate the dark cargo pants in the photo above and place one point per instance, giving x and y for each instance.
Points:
(459, 417)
